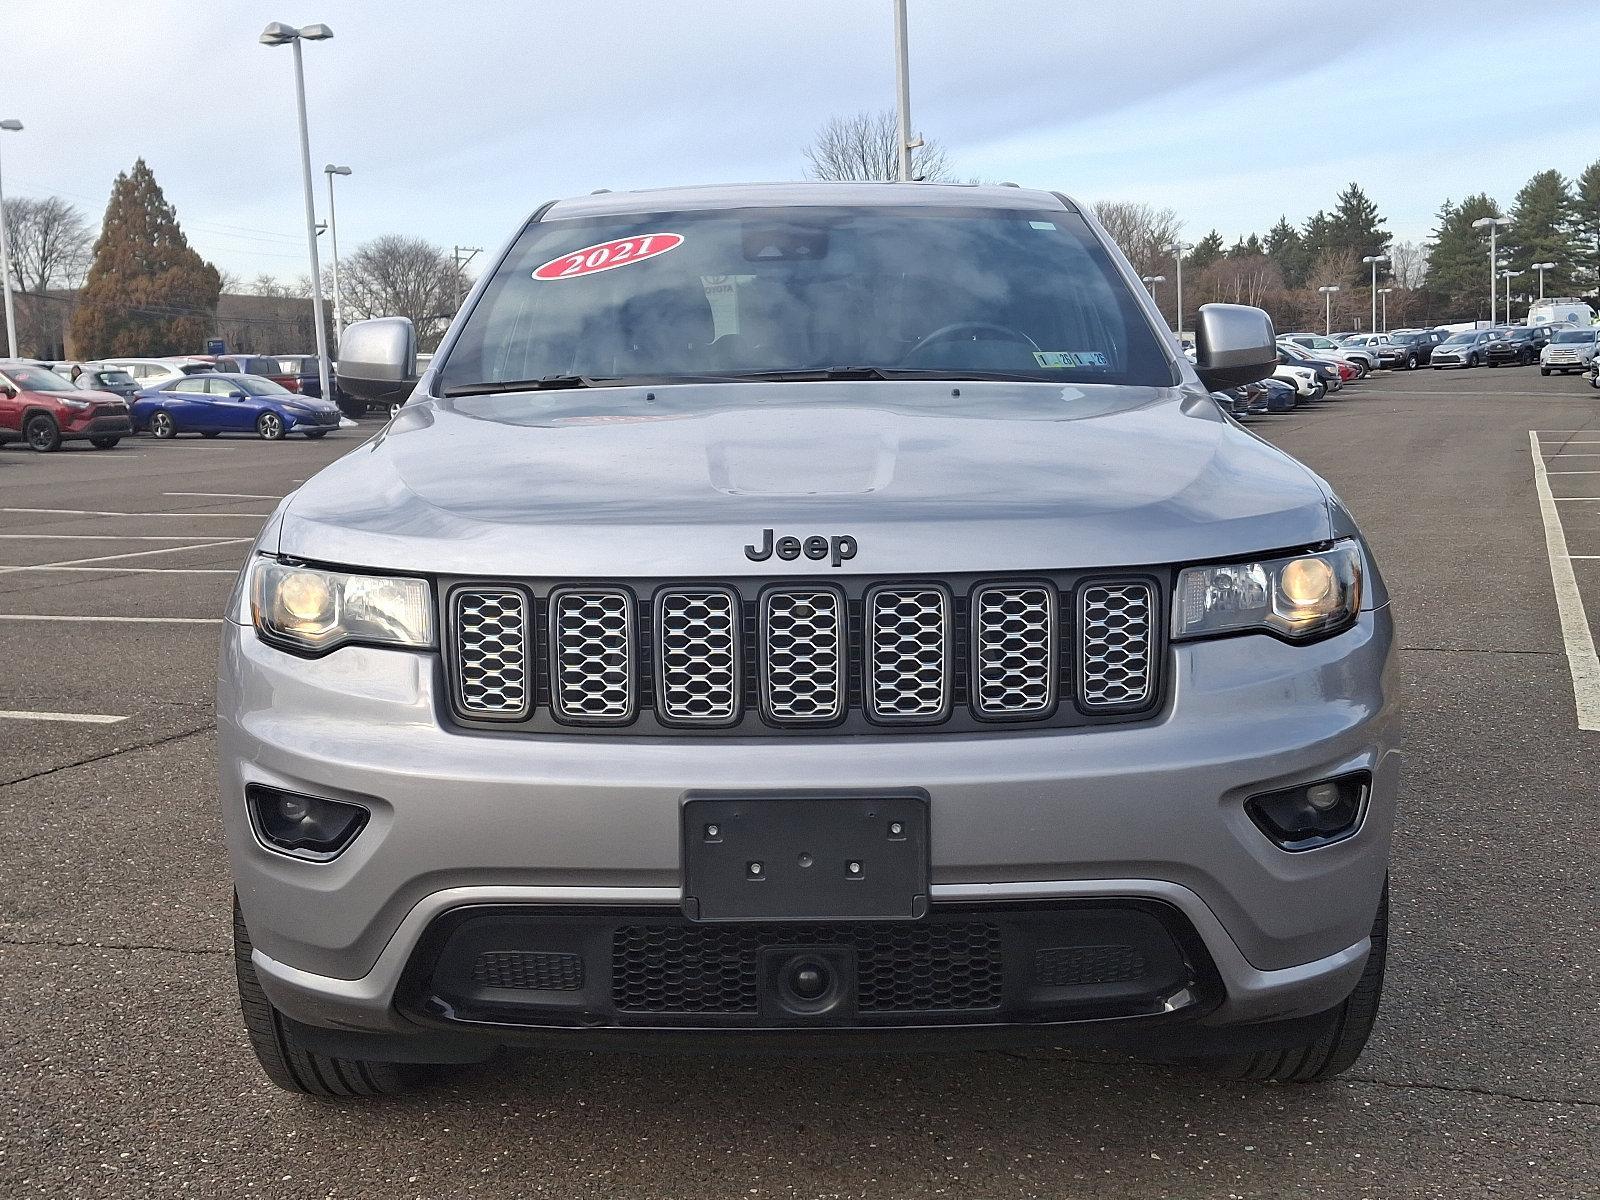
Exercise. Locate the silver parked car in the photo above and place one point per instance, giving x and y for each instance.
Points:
(1569, 350)
(809, 613)
(1469, 348)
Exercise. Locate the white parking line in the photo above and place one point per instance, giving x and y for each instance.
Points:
(75, 718)
(116, 537)
(254, 495)
(131, 570)
(1575, 631)
(116, 620)
(1573, 472)
(91, 512)
(75, 562)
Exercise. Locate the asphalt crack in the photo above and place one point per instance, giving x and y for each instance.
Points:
(1474, 650)
(208, 727)
(1468, 1089)
(63, 944)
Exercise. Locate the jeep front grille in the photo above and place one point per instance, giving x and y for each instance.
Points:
(1116, 634)
(779, 654)
(802, 660)
(493, 676)
(592, 655)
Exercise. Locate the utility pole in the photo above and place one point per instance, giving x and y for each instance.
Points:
(463, 256)
(902, 75)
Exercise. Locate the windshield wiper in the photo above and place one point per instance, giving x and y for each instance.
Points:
(543, 383)
(804, 374)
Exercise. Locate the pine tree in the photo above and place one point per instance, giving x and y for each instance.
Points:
(1458, 261)
(1355, 224)
(1586, 226)
(1287, 250)
(1204, 252)
(1315, 236)
(1542, 231)
(147, 292)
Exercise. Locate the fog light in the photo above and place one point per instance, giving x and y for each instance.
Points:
(1313, 814)
(305, 827)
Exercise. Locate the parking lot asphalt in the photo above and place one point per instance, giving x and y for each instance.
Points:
(123, 1065)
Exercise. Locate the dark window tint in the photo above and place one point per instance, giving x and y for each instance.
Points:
(752, 291)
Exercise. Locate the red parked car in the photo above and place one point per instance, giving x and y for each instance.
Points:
(43, 409)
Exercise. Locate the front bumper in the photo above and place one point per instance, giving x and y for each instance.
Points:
(1151, 811)
(97, 424)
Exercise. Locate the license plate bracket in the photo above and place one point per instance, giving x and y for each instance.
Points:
(811, 858)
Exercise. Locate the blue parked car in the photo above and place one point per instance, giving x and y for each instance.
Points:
(213, 403)
(1281, 396)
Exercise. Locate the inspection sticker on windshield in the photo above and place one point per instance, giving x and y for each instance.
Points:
(1069, 358)
(606, 256)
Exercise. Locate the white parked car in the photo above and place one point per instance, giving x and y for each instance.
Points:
(1569, 350)
(153, 372)
(1303, 379)
(1326, 347)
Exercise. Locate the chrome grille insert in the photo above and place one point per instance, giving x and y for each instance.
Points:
(908, 653)
(493, 645)
(697, 656)
(803, 677)
(1116, 644)
(592, 656)
(1014, 651)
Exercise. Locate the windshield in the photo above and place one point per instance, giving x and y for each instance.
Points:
(757, 291)
(37, 379)
(1405, 339)
(1461, 339)
(1575, 335)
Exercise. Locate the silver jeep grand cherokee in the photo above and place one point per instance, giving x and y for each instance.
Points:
(808, 612)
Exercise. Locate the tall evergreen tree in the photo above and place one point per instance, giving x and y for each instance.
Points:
(1204, 252)
(1355, 224)
(1458, 260)
(1586, 226)
(1287, 250)
(147, 291)
(1315, 236)
(1542, 219)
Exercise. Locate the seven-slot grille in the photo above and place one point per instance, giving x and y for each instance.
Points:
(805, 655)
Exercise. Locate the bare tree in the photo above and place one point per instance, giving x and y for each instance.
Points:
(867, 146)
(51, 245)
(1146, 234)
(396, 276)
(1408, 264)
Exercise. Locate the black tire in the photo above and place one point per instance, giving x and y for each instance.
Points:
(42, 434)
(104, 443)
(162, 426)
(269, 427)
(1340, 1043)
(1472, 360)
(1524, 359)
(288, 1064)
(211, 433)
(1546, 371)
(314, 434)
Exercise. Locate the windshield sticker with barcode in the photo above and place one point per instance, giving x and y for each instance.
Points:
(607, 256)
(1069, 358)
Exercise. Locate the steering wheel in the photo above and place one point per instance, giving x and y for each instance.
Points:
(946, 332)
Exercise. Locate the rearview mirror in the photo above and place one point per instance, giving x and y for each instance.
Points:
(378, 360)
(1234, 345)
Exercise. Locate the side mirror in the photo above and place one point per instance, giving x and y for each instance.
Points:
(236, 395)
(8, 391)
(1234, 345)
(378, 360)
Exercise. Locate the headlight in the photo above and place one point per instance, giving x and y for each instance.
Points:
(74, 402)
(1296, 597)
(310, 609)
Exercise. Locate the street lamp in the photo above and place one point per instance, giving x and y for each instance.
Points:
(279, 34)
(1493, 225)
(1542, 268)
(1373, 260)
(1178, 251)
(1327, 290)
(902, 78)
(1150, 282)
(1384, 292)
(1508, 276)
(333, 234)
(10, 125)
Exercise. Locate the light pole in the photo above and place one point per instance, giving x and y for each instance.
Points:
(1372, 260)
(10, 125)
(902, 78)
(1542, 268)
(1508, 276)
(1493, 225)
(1150, 282)
(333, 235)
(1327, 290)
(1384, 292)
(279, 34)
(1178, 249)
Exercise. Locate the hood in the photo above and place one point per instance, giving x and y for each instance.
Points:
(626, 482)
(94, 395)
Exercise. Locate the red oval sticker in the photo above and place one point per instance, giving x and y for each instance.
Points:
(605, 256)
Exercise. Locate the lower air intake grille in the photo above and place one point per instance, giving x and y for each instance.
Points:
(1074, 966)
(529, 971)
(1116, 642)
(946, 967)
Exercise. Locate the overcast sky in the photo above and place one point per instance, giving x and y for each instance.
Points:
(459, 118)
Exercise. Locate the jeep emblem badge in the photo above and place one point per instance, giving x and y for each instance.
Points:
(839, 549)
